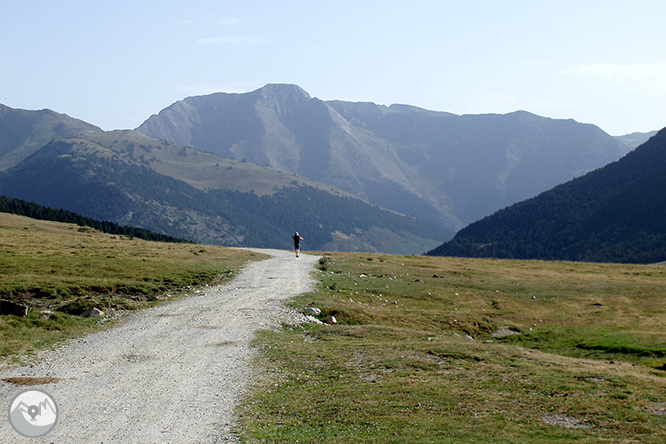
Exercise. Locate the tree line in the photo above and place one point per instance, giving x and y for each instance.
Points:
(40, 212)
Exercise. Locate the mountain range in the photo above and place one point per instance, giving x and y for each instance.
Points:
(447, 168)
(613, 214)
(249, 169)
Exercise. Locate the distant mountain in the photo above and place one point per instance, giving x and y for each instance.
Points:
(634, 140)
(130, 179)
(281, 126)
(613, 214)
(23, 132)
(486, 162)
(447, 168)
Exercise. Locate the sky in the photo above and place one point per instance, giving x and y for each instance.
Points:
(115, 63)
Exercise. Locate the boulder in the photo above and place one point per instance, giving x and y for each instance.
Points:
(92, 313)
(313, 320)
(12, 308)
(331, 320)
(314, 311)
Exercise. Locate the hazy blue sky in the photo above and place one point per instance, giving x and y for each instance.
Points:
(114, 63)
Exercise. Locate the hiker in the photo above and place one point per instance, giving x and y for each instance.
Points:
(297, 243)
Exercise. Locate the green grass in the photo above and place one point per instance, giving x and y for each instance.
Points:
(59, 270)
(415, 356)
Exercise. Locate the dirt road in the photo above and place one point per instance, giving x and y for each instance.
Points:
(170, 374)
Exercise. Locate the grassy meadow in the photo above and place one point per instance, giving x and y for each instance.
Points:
(426, 350)
(448, 350)
(60, 270)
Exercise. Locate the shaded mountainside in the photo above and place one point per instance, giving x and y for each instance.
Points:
(23, 132)
(614, 214)
(447, 168)
(486, 162)
(116, 183)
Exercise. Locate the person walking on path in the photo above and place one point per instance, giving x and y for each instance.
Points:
(297, 243)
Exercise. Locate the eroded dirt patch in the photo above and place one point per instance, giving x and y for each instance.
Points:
(29, 380)
(565, 421)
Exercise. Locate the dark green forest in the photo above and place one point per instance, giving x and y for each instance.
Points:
(614, 214)
(318, 213)
(61, 175)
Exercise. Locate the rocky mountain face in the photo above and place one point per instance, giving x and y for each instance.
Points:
(447, 168)
(613, 214)
(281, 126)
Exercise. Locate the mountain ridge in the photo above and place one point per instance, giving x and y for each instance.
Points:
(22, 132)
(452, 169)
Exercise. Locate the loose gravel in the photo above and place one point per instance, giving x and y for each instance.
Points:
(169, 374)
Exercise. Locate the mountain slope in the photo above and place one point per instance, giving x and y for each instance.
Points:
(115, 182)
(486, 162)
(450, 169)
(613, 214)
(202, 170)
(23, 132)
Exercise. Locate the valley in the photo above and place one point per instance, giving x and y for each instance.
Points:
(249, 169)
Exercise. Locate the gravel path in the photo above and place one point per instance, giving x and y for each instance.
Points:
(169, 374)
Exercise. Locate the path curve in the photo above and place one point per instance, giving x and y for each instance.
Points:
(169, 374)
